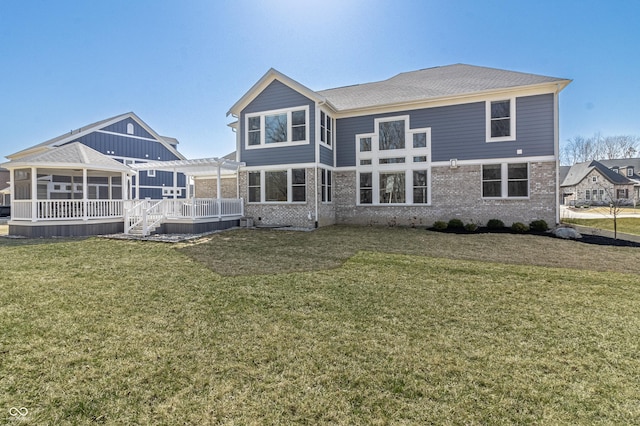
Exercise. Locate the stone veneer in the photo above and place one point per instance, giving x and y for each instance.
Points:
(456, 193)
(290, 214)
(208, 188)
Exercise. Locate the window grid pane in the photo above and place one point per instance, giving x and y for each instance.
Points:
(518, 180)
(391, 135)
(298, 185)
(275, 186)
(366, 188)
(275, 128)
(392, 188)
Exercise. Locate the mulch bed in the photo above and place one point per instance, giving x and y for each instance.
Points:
(586, 238)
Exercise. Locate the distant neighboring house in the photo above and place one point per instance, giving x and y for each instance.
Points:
(111, 176)
(457, 141)
(600, 182)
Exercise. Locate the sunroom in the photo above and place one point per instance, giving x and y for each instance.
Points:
(67, 191)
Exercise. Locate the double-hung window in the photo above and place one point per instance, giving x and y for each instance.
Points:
(501, 120)
(277, 186)
(325, 179)
(277, 128)
(326, 128)
(505, 180)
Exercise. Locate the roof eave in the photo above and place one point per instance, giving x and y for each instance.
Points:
(554, 87)
(264, 81)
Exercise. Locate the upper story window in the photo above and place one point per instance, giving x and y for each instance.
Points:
(391, 135)
(629, 171)
(277, 128)
(501, 120)
(129, 128)
(326, 128)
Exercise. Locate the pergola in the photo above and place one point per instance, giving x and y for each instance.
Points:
(203, 167)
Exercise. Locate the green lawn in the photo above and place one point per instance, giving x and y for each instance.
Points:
(343, 325)
(627, 225)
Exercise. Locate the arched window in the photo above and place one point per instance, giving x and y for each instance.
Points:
(129, 128)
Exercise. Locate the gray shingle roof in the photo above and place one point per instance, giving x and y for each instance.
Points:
(431, 83)
(580, 170)
(73, 154)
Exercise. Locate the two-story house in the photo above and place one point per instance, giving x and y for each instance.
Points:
(602, 182)
(456, 141)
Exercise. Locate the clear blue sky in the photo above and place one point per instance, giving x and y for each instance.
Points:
(181, 64)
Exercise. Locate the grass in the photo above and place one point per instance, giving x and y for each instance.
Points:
(364, 326)
(625, 225)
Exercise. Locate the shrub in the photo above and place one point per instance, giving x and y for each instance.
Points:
(471, 227)
(439, 225)
(456, 224)
(495, 224)
(519, 227)
(539, 226)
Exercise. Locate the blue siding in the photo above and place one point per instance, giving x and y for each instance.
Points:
(144, 150)
(458, 131)
(277, 96)
(121, 127)
(326, 156)
(124, 146)
(162, 179)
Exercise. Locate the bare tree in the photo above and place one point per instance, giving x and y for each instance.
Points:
(597, 147)
(617, 199)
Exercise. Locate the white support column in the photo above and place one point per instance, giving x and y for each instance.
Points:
(218, 184)
(175, 184)
(188, 183)
(34, 194)
(137, 185)
(85, 195)
(238, 182)
(125, 186)
(12, 189)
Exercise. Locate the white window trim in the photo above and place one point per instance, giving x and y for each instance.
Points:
(512, 120)
(408, 183)
(504, 182)
(289, 187)
(130, 129)
(168, 191)
(408, 152)
(263, 114)
(151, 173)
(326, 190)
(322, 126)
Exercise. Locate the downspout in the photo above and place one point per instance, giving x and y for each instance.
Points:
(317, 126)
(556, 149)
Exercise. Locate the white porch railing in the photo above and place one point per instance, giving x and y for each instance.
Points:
(42, 210)
(146, 215)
